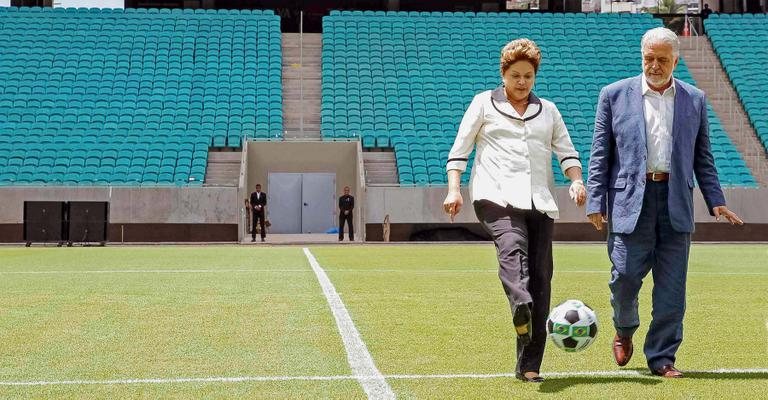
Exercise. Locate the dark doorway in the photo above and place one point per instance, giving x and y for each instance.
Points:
(753, 6)
(32, 3)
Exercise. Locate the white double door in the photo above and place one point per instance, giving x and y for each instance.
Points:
(301, 202)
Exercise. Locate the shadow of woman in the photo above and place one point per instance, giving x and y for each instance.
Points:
(557, 384)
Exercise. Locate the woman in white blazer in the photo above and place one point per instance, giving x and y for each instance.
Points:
(511, 188)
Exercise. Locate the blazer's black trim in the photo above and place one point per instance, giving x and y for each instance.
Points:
(498, 94)
(569, 158)
(458, 159)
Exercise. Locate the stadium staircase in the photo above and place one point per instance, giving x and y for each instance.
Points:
(223, 168)
(710, 77)
(739, 40)
(301, 85)
(380, 167)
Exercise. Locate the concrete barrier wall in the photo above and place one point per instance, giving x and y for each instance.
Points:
(424, 205)
(172, 205)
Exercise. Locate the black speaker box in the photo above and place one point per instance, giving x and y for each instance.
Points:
(44, 221)
(88, 221)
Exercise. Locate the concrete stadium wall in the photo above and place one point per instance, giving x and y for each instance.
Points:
(137, 214)
(414, 209)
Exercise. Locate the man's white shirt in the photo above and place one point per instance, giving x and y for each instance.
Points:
(659, 111)
(513, 158)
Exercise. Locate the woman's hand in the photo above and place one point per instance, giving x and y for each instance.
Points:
(578, 192)
(452, 204)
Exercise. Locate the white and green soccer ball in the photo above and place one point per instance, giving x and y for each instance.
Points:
(572, 326)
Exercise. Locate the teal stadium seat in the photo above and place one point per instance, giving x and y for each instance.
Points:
(380, 77)
(118, 88)
(739, 42)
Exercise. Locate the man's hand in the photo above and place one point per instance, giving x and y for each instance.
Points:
(578, 192)
(729, 215)
(452, 204)
(597, 220)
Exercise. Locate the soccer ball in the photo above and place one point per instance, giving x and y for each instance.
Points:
(572, 326)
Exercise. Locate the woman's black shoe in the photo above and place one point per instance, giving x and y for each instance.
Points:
(535, 379)
(522, 321)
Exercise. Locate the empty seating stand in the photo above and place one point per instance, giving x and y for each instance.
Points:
(404, 79)
(741, 43)
(134, 96)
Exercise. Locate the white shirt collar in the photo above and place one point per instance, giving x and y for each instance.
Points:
(647, 89)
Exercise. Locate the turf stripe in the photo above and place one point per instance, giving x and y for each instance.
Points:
(223, 379)
(360, 360)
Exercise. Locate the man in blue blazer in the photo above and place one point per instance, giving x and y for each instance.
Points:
(651, 137)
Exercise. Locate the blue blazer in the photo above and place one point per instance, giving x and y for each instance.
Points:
(617, 165)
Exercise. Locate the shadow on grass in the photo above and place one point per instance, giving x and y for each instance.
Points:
(557, 384)
(727, 375)
(554, 385)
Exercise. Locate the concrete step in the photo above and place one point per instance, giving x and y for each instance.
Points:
(306, 52)
(222, 156)
(306, 83)
(297, 128)
(375, 161)
(221, 184)
(295, 114)
(379, 162)
(380, 167)
(306, 104)
(306, 63)
(297, 121)
(294, 73)
(379, 175)
(309, 40)
(306, 94)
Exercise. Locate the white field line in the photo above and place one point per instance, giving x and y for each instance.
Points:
(290, 270)
(150, 271)
(360, 360)
(503, 375)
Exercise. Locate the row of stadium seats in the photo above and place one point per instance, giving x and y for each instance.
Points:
(461, 16)
(740, 42)
(115, 161)
(135, 87)
(403, 80)
(41, 12)
(134, 97)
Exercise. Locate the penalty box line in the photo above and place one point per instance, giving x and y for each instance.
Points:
(505, 375)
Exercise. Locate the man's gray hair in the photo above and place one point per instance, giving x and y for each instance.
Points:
(661, 35)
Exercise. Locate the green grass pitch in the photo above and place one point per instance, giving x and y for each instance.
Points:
(122, 313)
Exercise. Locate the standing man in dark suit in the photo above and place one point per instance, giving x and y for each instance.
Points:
(651, 138)
(258, 203)
(346, 204)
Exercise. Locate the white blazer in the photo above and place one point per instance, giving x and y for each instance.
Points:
(513, 161)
